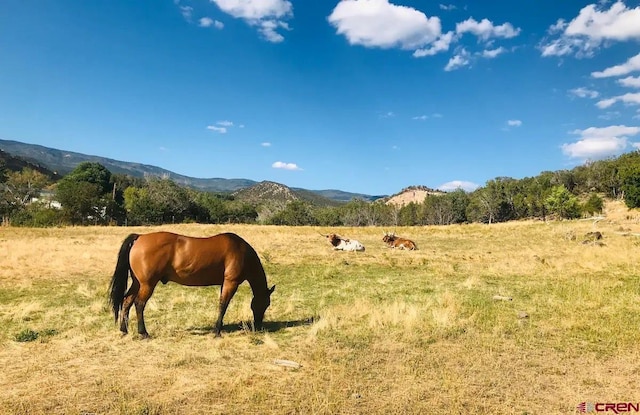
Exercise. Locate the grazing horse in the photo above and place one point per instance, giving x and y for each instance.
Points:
(225, 259)
(394, 241)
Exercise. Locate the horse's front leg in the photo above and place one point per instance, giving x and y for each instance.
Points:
(227, 292)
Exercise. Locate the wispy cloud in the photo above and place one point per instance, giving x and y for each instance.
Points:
(493, 53)
(631, 65)
(458, 184)
(214, 128)
(486, 30)
(185, 11)
(628, 98)
(609, 115)
(388, 114)
(425, 117)
(285, 166)
(584, 93)
(630, 82)
(596, 143)
(514, 123)
(221, 127)
(594, 27)
(266, 144)
(268, 16)
(382, 24)
(208, 22)
(459, 60)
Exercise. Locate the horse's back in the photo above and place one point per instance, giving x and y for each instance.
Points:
(191, 260)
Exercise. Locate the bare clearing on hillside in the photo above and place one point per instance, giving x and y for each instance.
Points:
(414, 194)
(383, 331)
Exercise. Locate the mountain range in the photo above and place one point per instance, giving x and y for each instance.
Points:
(62, 162)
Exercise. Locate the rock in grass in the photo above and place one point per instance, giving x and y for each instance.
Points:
(287, 363)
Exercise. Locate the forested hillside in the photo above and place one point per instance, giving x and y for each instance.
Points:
(91, 194)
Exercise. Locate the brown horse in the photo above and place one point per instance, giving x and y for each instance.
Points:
(225, 259)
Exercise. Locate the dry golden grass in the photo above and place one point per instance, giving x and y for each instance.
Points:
(376, 332)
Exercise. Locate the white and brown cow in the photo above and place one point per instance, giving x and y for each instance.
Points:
(394, 241)
(343, 244)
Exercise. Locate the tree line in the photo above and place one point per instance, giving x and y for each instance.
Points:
(92, 195)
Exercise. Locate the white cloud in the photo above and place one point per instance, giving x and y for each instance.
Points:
(225, 123)
(441, 44)
(629, 98)
(380, 24)
(591, 28)
(597, 143)
(458, 61)
(266, 144)
(447, 7)
(485, 29)
(458, 184)
(426, 117)
(514, 123)
(266, 15)
(187, 12)
(584, 92)
(630, 81)
(388, 114)
(285, 166)
(208, 22)
(609, 115)
(221, 130)
(205, 22)
(631, 65)
(492, 53)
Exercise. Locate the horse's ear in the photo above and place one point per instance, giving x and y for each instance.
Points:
(272, 289)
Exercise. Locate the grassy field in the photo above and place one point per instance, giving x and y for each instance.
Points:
(384, 332)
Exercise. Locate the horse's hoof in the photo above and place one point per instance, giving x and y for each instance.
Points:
(145, 336)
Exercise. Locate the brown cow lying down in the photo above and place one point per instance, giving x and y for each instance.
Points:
(342, 244)
(394, 241)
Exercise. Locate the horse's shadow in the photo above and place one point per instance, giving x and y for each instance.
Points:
(267, 326)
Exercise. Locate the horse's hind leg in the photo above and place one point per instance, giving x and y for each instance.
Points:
(126, 305)
(140, 301)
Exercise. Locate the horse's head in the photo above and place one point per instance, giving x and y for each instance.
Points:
(259, 305)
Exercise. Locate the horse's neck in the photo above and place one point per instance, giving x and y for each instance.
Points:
(259, 286)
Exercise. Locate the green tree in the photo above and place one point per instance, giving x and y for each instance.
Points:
(84, 194)
(594, 204)
(328, 216)
(19, 189)
(409, 214)
(562, 203)
(141, 208)
(629, 175)
(296, 213)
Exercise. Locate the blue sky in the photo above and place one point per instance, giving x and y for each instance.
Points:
(365, 96)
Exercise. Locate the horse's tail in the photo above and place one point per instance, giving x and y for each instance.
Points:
(120, 275)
